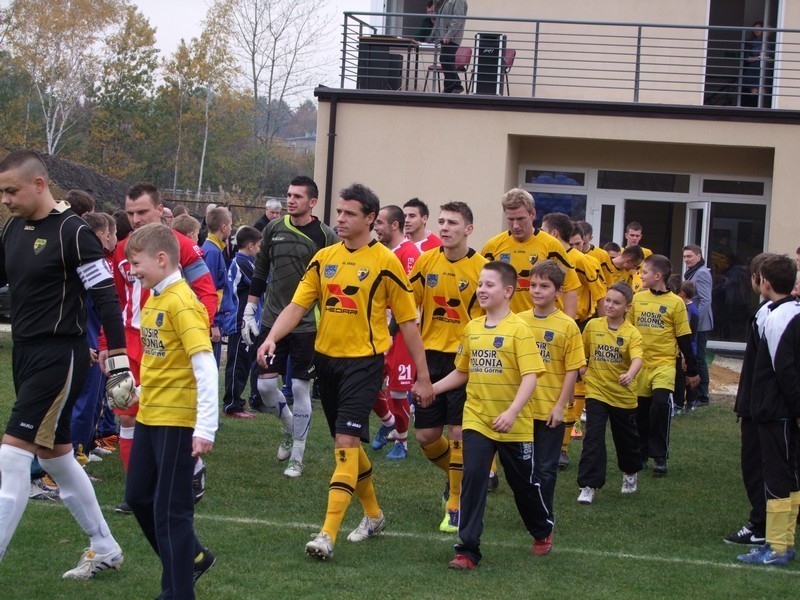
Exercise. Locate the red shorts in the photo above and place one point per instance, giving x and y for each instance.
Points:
(399, 367)
(134, 351)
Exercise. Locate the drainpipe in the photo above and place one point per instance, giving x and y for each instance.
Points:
(329, 162)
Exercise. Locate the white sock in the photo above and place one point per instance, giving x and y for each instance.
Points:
(78, 495)
(274, 401)
(126, 433)
(301, 420)
(15, 468)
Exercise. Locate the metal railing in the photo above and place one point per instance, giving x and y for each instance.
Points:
(578, 60)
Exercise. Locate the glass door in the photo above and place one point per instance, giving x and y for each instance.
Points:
(697, 222)
(607, 217)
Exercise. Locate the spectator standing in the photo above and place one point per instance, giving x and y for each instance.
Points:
(449, 31)
(700, 275)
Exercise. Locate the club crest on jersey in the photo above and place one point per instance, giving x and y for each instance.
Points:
(159, 319)
(38, 245)
(533, 258)
(505, 257)
(432, 280)
(330, 270)
(462, 284)
(620, 341)
(498, 342)
(362, 273)
(662, 309)
(548, 336)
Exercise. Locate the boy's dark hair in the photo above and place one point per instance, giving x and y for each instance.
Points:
(561, 223)
(659, 263)
(186, 224)
(636, 254)
(624, 289)
(612, 247)
(757, 261)
(247, 235)
(217, 217)
(689, 289)
(781, 272)
(674, 283)
(112, 222)
(460, 208)
(364, 196)
(152, 239)
(80, 202)
(32, 161)
(395, 214)
(417, 203)
(694, 248)
(585, 227)
(551, 270)
(144, 187)
(96, 221)
(508, 274)
(124, 226)
(179, 209)
(633, 226)
(311, 186)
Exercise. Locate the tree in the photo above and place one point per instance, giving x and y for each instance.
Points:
(58, 44)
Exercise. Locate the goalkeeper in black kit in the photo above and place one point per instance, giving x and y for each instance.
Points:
(51, 260)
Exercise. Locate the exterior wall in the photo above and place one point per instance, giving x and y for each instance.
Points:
(683, 12)
(473, 155)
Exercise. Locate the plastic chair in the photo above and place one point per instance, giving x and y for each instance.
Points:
(509, 54)
(463, 58)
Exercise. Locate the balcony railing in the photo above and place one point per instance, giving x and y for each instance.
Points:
(579, 60)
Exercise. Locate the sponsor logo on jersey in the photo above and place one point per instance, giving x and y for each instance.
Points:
(339, 301)
(462, 284)
(39, 245)
(159, 319)
(548, 336)
(620, 341)
(330, 270)
(662, 309)
(445, 309)
(505, 257)
(362, 273)
(498, 342)
(431, 280)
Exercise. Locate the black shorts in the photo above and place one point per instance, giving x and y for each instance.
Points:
(297, 346)
(48, 377)
(348, 388)
(447, 408)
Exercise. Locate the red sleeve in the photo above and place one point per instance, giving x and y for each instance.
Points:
(197, 275)
(101, 341)
(119, 278)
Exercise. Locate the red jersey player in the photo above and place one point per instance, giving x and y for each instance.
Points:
(399, 365)
(416, 218)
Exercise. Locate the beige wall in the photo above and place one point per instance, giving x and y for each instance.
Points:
(447, 154)
(684, 12)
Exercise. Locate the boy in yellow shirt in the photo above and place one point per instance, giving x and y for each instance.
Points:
(177, 416)
(614, 351)
(497, 360)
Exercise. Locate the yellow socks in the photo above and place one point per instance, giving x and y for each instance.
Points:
(341, 488)
(794, 498)
(779, 515)
(365, 491)
(439, 453)
(455, 473)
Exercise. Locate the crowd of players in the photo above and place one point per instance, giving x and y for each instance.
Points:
(501, 350)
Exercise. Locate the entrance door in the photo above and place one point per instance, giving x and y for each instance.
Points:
(607, 217)
(697, 220)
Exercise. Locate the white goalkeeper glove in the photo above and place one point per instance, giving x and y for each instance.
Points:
(250, 327)
(120, 384)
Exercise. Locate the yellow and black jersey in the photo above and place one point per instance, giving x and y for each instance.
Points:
(559, 342)
(601, 256)
(612, 274)
(174, 327)
(592, 287)
(523, 255)
(636, 277)
(445, 293)
(610, 353)
(354, 288)
(496, 358)
(661, 318)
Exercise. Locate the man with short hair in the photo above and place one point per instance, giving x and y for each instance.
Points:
(698, 273)
(523, 245)
(416, 218)
(633, 237)
(52, 260)
(287, 246)
(448, 30)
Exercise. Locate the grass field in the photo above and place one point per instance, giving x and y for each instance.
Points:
(663, 542)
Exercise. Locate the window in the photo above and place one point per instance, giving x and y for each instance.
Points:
(539, 177)
(726, 186)
(645, 182)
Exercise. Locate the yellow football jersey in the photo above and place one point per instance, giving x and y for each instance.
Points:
(174, 327)
(600, 255)
(561, 348)
(592, 287)
(445, 293)
(661, 318)
(612, 274)
(523, 255)
(496, 358)
(610, 352)
(354, 289)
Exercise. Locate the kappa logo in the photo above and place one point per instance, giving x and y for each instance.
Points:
(505, 257)
(462, 284)
(548, 336)
(662, 309)
(498, 342)
(445, 308)
(330, 270)
(362, 273)
(159, 319)
(39, 245)
(620, 341)
(432, 280)
(340, 300)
